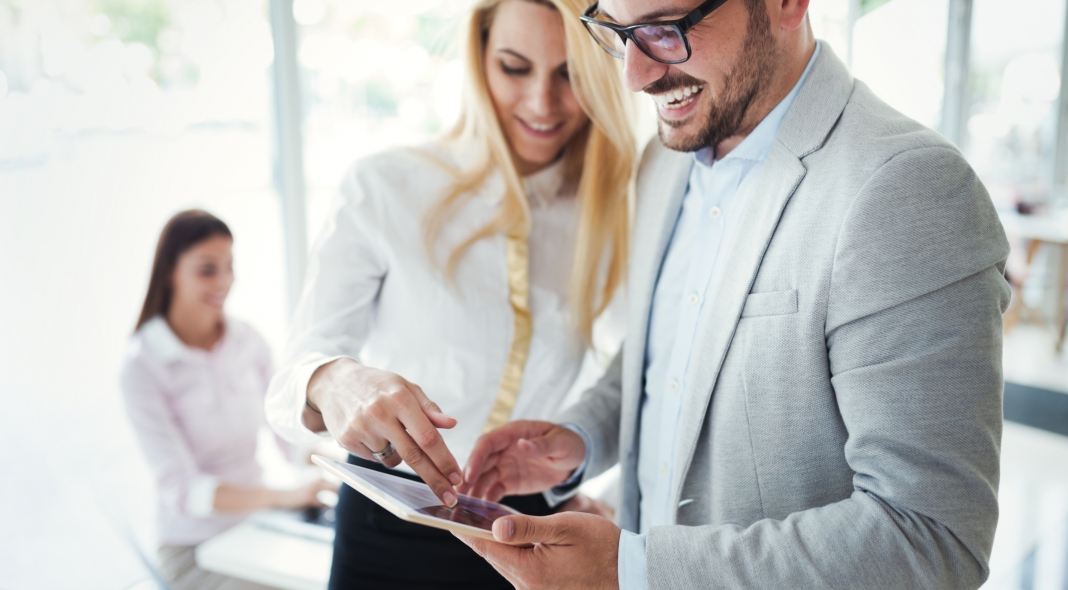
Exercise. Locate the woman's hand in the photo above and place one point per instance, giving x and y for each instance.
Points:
(522, 457)
(367, 410)
(305, 496)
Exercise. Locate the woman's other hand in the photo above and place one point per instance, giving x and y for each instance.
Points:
(305, 496)
(366, 410)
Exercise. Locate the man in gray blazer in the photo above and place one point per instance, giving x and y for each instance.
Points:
(809, 395)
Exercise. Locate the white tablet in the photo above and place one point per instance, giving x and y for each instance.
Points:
(415, 501)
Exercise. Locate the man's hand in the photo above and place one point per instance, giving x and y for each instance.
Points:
(367, 410)
(522, 457)
(584, 503)
(566, 550)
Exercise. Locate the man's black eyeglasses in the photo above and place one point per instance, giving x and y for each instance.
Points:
(663, 41)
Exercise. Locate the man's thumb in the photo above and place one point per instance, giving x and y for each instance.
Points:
(527, 530)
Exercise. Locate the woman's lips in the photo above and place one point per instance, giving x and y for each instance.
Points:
(541, 130)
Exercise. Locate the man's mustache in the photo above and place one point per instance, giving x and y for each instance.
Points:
(670, 82)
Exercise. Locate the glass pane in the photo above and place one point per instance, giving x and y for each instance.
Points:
(1014, 85)
(830, 23)
(607, 38)
(378, 74)
(114, 114)
(899, 51)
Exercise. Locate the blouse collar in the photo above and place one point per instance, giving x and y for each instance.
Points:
(166, 345)
(542, 187)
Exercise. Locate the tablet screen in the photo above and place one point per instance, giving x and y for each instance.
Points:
(418, 496)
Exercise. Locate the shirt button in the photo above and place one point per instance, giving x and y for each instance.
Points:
(693, 298)
(715, 212)
(673, 385)
(664, 470)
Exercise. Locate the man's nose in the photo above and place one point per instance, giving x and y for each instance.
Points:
(639, 70)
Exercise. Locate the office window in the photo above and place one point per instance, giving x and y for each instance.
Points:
(899, 51)
(830, 22)
(377, 74)
(114, 114)
(1014, 87)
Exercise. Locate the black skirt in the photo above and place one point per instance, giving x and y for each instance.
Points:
(374, 549)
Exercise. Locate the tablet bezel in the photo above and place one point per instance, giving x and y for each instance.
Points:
(395, 506)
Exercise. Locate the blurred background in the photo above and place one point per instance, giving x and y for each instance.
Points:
(115, 114)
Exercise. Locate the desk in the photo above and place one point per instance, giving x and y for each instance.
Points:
(1053, 230)
(251, 552)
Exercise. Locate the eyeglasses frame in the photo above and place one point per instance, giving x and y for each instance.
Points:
(627, 32)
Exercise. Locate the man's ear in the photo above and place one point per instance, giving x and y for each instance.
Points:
(793, 14)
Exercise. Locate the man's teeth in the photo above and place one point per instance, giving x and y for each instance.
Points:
(677, 98)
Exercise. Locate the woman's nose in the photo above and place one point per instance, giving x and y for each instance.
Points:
(541, 97)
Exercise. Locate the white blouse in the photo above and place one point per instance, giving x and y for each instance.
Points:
(373, 294)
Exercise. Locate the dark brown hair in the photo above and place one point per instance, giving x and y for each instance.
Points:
(182, 232)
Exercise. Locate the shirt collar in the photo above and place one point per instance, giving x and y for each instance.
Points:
(756, 145)
(545, 185)
(542, 187)
(165, 344)
(159, 337)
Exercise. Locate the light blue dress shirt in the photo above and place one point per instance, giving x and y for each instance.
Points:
(689, 276)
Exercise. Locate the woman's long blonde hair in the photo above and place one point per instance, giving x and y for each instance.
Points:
(602, 156)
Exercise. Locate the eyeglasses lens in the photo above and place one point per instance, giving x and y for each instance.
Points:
(663, 43)
(608, 39)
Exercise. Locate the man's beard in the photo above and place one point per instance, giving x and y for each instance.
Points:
(743, 84)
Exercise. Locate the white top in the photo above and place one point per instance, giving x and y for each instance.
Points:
(373, 294)
(196, 414)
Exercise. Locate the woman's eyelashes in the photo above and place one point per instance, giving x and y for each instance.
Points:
(208, 270)
(514, 70)
(524, 70)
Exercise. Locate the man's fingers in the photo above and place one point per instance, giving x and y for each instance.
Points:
(495, 493)
(535, 448)
(485, 481)
(501, 557)
(526, 530)
(429, 440)
(494, 442)
(487, 447)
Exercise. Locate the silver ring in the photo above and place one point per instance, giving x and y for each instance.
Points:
(384, 453)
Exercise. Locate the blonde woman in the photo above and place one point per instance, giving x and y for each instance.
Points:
(455, 285)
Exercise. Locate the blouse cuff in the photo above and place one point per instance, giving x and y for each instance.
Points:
(200, 498)
(291, 424)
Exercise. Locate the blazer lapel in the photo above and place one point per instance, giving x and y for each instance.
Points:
(660, 192)
(771, 190)
(806, 126)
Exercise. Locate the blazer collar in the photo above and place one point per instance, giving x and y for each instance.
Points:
(818, 105)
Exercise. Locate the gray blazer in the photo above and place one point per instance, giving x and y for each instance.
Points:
(841, 422)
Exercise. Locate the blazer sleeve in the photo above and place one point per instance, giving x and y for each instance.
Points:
(913, 334)
(597, 414)
(346, 268)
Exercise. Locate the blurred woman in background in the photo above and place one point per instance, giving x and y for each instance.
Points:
(193, 382)
(455, 285)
